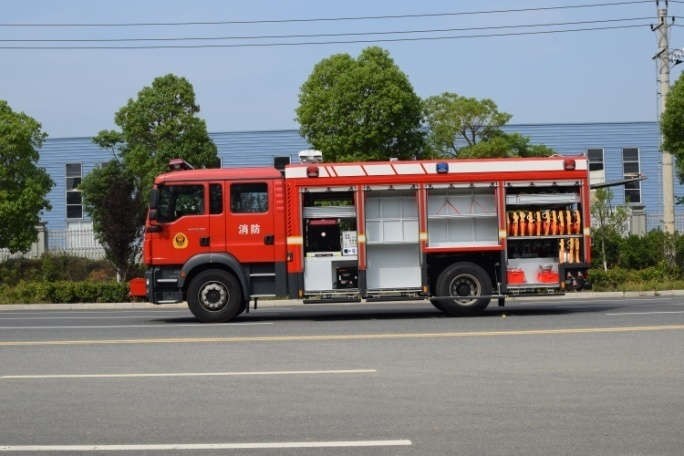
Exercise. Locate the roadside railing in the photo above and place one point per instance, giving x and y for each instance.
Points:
(79, 242)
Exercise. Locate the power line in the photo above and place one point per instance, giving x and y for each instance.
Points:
(318, 35)
(310, 43)
(321, 19)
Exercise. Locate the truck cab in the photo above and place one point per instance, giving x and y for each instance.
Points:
(211, 226)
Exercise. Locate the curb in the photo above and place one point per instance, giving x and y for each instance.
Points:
(298, 302)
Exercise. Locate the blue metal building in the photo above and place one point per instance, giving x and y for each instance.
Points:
(615, 150)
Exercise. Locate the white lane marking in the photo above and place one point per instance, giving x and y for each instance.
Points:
(208, 446)
(655, 312)
(155, 325)
(191, 374)
(589, 301)
(88, 312)
(78, 317)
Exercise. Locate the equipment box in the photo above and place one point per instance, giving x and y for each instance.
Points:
(347, 277)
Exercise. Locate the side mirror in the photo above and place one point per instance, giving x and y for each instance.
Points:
(152, 214)
(154, 199)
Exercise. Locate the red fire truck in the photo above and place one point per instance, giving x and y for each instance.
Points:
(457, 232)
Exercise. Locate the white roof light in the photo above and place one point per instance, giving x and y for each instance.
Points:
(311, 156)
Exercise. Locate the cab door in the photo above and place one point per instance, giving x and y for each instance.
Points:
(183, 221)
(217, 217)
(250, 232)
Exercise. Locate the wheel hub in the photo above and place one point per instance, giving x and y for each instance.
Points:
(465, 286)
(213, 296)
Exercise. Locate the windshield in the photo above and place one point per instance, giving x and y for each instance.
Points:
(176, 201)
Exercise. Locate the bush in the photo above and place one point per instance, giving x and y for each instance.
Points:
(51, 268)
(639, 252)
(63, 292)
(611, 240)
(612, 279)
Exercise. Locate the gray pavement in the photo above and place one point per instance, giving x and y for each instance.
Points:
(545, 377)
(297, 302)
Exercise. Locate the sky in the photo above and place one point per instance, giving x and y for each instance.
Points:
(581, 76)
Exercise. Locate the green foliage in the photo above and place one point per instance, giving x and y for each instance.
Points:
(109, 196)
(363, 109)
(51, 268)
(23, 185)
(63, 292)
(679, 250)
(672, 124)
(453, 119)
(505, 145)
(640, 252)
(605, 247)
(637, 263)
(610, 226)
(519, 146)
(160, 124)
(611, 279)
(652, 278)
(59, 278)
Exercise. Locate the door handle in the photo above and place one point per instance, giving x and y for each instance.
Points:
(269, 239)
(204, 241)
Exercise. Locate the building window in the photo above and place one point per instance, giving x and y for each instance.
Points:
(630, 168)
(595, 159)
(74, 200)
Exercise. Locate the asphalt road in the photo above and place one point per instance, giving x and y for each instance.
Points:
(539, 377)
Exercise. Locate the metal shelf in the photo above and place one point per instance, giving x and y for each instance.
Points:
(555, 236)
(542, 199)
(461, 216)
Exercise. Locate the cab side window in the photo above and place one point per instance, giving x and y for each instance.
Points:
(215, 199)
(249, 198)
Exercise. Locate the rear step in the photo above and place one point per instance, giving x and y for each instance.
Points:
(332, 300)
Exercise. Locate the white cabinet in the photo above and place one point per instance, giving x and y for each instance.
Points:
(391, 219)
(392, 248)
(462, 217)
(320, 272)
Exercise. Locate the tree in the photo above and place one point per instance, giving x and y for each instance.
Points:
(468, 127)
(110, 197)
(505, 145)
(23, 185)
(610, 226)
(672, 125)
(160, 124)
(363, 109)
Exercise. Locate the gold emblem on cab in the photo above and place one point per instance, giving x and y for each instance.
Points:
(180, 241)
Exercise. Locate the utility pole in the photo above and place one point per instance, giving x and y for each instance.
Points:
(663, 57)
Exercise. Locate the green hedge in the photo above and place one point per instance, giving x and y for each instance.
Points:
(64, 292)
(51, 268)
(652, 278)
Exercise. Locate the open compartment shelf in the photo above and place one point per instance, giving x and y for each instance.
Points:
(460, 217)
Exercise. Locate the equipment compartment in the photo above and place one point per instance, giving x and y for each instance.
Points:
(544, 229)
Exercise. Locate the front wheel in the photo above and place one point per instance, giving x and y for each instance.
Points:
(467, 280)
(215, 296)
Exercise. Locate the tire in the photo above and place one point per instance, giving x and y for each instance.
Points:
(215, 296)
(463, 279)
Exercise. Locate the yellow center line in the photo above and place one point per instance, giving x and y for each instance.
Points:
(335, 337)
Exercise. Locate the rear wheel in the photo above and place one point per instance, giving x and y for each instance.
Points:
(214, 296)
(465, 279)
